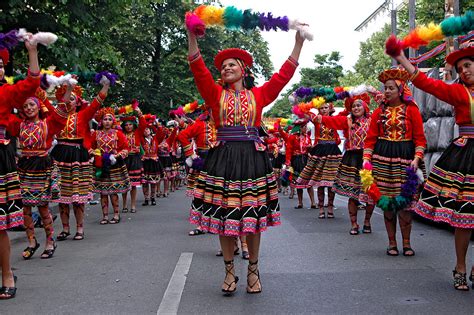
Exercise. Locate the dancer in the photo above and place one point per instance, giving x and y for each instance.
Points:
(347, 182)
(448, 193)
(72, 158)
(152, 167)
(11, 214)
(110, 148)
(323, 162)
(236, 193)
(164, 154)
(395, 141)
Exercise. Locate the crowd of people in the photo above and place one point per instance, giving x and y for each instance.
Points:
(235, 167)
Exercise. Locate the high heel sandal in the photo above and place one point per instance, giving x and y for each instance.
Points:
(255, 272)
(30, 251)
(460, 280)
(8, 292)
(229, 267)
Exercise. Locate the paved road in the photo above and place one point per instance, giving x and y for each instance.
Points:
(307, 266)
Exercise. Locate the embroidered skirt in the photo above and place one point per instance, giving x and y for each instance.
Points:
(298, 162)
(347, 182)
(152, 171)
(321, 169)
(75, 170)
(134, 165)
(236, 192)
(11, 212)
(38, 180)
(113, 181)
(448, 194)
(389, 161)
(167, 164)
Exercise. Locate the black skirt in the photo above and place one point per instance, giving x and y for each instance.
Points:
(152, 171)
(134, 165)
(11, 212)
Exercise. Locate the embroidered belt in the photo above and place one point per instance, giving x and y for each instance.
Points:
(3, 136)
(70, 144)
(466, 131)
(238, 133)
(390, 139)
(30, 153)
(326, 142)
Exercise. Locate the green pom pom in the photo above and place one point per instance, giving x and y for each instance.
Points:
(233, 17)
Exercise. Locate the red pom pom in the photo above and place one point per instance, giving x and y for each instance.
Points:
(393, 46)
(98, 161)
(374, 192)
(194, 24)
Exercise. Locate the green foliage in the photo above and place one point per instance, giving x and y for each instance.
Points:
(144, 41)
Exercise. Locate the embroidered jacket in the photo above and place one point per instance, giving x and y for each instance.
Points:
(134, 137)
(355, 131)
(150, 145)
(77, 125)
(396, 123)
(295, 145)
(166, 145)
(110, 141)
(238, 108)
(203, 133)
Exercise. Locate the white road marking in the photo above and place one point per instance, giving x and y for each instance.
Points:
(172, 297)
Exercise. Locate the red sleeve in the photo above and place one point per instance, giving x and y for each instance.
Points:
(171, 139)
(454, 94)
(418, 133)
(122, 145)
(335, 122)
(15, 95)
(13, 127)
(92, 140)
(271, 140)
(372, 134)
(160, 135)
(56, 121)
(283, 134)
(289, 148)
(209, 90)
(270, 90)
(88, 112)
(141, 125)
(186, 135)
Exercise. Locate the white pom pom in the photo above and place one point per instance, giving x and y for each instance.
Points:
(292, 99)
(358, 90)
(302, 28)
(44, 38)
(189, 161)
(21, 34)
(113, 160)
(104, 80)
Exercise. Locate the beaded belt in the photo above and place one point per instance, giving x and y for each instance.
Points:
(466, 131)
(238, 133)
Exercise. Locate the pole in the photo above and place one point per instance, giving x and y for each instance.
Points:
(393, 15)
(411, 22)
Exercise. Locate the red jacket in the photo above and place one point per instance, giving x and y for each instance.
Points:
(134, 137)
(202, 132)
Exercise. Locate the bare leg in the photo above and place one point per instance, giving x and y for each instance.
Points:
(390, 220)
(48, 225)
(64, 214)
(369, 210)
(133, 199)
(321, 201)
(331, 196)
(405, 218)
(124, 200)
(311, 196)
(30, 226)
(352, 205)
(7, 274)
(227, 246)
(79, 214)
(115, 205)
(104, 201)
(253, 281)
(299, 192)
(146, 193)
(461, 241)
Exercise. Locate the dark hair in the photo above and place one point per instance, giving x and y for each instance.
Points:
(456, 63)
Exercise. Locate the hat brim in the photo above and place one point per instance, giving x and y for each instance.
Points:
(455, 56)
(235, 53)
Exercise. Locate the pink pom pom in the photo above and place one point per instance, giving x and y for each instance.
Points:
(194, 24)
(393, 46)
(179, 111)
(366, 165)
(134, 104)
(297, 111)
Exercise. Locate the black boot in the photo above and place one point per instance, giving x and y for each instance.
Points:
(153, 202)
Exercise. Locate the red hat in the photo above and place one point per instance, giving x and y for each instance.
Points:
(5, 56)
(235, 53)
(394, 74)
(466, 49)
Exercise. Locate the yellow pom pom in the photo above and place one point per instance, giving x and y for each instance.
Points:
(97, 152)
(366, 179)
(9, 80)
(212, 15)
(430, 32)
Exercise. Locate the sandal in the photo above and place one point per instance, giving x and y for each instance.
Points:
(7, 293)
(367, 229)
(104, 221)
(133, 210)
(256, 273)
(145, 203)
(196, 232)
(124, 210)
(313, 207)
(299, 207)
(322, 215)
(153, 201)
(30, 251)
(114, 220)
(79, 236)
(245, 255)
(229, 267)
(354, 231)
(407, 250)
(62, 236)
(460, 281)
(392, 248)
(48, 253)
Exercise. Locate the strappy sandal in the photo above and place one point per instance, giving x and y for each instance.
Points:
(7, 293)
(354, 231)
(48, 253)
(114, 220)
(104, 221)
(30, 251)
(124, 210)
(133, 210)
(392, 248)
(407, 250)
(366, 229)
(79, 236)
(331, 214)
(255, 272)
(322, 215)
(460, 281)
(62, 236)
(229, 267)
(196, 232)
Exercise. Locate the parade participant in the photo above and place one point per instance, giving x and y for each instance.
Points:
(236, 193)
(297, 144)
(72, 158)
(133, 161)
(11, 214)
(279, 160)
(448, 193)
(203, 133)
(395, 141)
(347, 182)
(35, 167)
(323, 160)
(110, 148)
(152, 167)
(164, 154)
